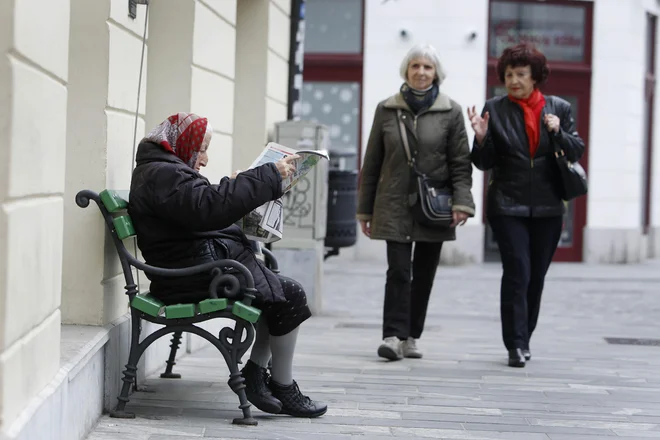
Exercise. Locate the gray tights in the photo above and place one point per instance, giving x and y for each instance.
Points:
(282, 349)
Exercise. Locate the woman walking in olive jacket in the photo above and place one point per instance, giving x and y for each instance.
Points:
(436, 133)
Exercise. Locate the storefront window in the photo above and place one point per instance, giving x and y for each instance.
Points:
(556, 30)
(333, 26)
(337, 105)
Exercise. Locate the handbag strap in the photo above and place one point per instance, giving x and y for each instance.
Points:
(550, 107)
(404, 136)
(404, 141)
(406, 146)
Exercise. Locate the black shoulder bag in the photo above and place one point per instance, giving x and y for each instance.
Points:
(432, 204)
(573, 178)
(572, 175)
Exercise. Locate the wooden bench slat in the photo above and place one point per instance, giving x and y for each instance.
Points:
(249, 313)
(112, 201)
(148, 304)
(152, 306)
(124, 227)
(212, 305)
(180, 311)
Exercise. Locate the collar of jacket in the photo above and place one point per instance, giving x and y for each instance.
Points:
(441, 104)
(149, 151)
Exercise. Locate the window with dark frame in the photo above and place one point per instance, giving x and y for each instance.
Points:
(332, 76)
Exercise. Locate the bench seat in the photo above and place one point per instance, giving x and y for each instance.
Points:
(152, 306)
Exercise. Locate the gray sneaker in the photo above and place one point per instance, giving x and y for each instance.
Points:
(391, 349)
(410, 350)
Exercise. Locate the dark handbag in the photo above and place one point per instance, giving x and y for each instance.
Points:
(431, 204)
(573, 177)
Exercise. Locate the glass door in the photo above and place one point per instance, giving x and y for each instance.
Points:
(562, 31)
(567, 240)
(570, 244)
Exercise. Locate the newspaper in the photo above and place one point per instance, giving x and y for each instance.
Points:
(265, 223)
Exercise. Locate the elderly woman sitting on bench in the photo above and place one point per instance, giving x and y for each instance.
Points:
(181, 220)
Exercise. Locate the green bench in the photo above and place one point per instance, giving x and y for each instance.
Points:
(234, 303)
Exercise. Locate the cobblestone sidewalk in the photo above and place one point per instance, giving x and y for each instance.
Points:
(577, 386)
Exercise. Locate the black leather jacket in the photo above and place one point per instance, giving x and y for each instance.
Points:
(183, 220)
(520, 185)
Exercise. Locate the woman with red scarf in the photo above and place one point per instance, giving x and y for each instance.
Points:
(183, 220)
(515, 138)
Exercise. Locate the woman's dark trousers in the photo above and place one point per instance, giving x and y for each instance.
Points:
(526, 245)
(408, 287)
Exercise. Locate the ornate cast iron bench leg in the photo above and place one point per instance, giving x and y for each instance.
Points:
(233, 352)
(176, 341)
(130, 376)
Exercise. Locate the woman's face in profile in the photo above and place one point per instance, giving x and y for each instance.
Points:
(421, 73)
(518, 81)
(203, 157)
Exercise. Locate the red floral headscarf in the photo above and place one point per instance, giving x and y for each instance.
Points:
(181, 134)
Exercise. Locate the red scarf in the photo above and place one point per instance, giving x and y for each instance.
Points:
(532, 108)
(181, 134)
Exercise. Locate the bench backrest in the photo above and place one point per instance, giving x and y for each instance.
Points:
(113, 206)
(116, 204)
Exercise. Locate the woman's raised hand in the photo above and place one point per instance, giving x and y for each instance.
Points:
(479, 124)
(286, 166)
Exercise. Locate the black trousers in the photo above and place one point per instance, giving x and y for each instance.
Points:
(284, 317)
(408, 287)
(526, 246)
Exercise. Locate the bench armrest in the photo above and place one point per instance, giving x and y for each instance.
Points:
(223, 271)
(271, 261)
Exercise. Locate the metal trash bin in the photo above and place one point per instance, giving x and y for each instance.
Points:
(341, 225)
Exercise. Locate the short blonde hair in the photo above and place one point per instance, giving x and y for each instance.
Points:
(425, 51)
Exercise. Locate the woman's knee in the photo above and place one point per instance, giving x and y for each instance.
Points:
(292, 289)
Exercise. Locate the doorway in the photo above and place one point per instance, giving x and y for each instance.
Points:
(562, 31)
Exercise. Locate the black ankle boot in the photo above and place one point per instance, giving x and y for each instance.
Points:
(516, 358)
(294, 403)
(256, 388)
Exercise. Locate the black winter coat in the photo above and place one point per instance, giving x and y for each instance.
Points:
(183, 220)
(521, 185)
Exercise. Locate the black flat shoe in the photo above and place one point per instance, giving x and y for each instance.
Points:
(516, 358)
(256, 388)
(527, 354)
(294, 403)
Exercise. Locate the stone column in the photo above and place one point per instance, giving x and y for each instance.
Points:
(262, 69)
(33, 105)
(192, 70)
(106, 47)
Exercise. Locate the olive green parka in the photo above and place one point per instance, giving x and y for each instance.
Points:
(439, 138)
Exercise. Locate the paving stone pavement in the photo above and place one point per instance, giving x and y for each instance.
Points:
(576, 387)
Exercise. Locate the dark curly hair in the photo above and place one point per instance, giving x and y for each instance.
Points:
(524, 54)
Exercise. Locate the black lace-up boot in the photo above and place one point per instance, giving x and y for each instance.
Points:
(294, 403)
(256, 388)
